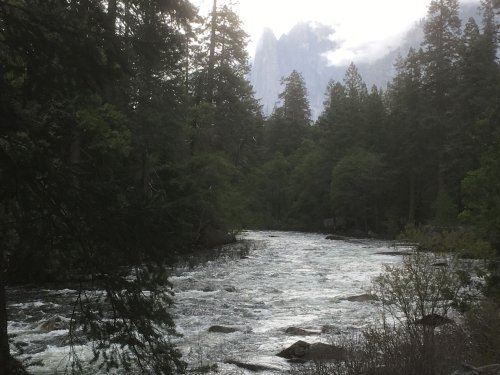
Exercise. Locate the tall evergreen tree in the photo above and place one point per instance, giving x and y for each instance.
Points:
(290, 122)
(441, 51)
(408, 143)
(295, 106)
(229, 116)
(334, 122)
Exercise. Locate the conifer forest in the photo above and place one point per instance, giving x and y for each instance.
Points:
(131, 139)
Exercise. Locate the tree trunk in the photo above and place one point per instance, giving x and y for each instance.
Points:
(111, 15)
(146, 173)
(75, 154)
(411, 199)
(108, 89)
(211, 57)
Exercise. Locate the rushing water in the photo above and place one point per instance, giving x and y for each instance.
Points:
(285, 279)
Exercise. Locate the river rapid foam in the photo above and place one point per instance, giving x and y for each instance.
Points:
(281, 280)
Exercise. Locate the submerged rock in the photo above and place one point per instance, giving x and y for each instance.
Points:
(363, 298)
(54, 323)
(299, 331)
(304, 351)
(336, 237)
(393, 253)
(250, 366)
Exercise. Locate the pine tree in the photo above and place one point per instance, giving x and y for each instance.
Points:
(441, 52)
(229, 116)
(344, 119)
(408, 140)
(289, 123)
(295, 106)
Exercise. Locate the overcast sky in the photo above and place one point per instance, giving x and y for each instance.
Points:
(366, 29)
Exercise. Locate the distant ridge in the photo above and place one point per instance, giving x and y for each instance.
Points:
(304, 49)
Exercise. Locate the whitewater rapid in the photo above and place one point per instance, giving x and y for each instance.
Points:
(267, 283)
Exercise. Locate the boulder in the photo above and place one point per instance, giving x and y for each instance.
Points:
(54, 323)
(222, 329)
(336, 237)
(304, 351)
(299, 331)
(229, 288)
(363, 298)
(297, 349)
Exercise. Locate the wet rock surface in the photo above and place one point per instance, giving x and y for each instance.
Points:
(222, 329)
(251, 366)
(319, 351)
(295, 331)
(54, 323)
(363, 298)
(394, 253)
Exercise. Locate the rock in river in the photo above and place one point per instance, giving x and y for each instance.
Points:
(222, 329)
(54, 323)
(363, 298)
(335, 237)
(300, 332)
(250, 366)
(318, 351)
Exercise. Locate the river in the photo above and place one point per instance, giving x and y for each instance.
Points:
(280, 280)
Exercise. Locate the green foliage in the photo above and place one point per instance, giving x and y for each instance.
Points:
(445, 210)
(417, 288)
(212, 177)
(483, 325)
(482, 198)
(357, 188)
(106, 128)
(462, 241)
(269, 189)
(309, 182)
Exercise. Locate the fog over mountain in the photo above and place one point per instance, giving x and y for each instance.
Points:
(305, 48)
